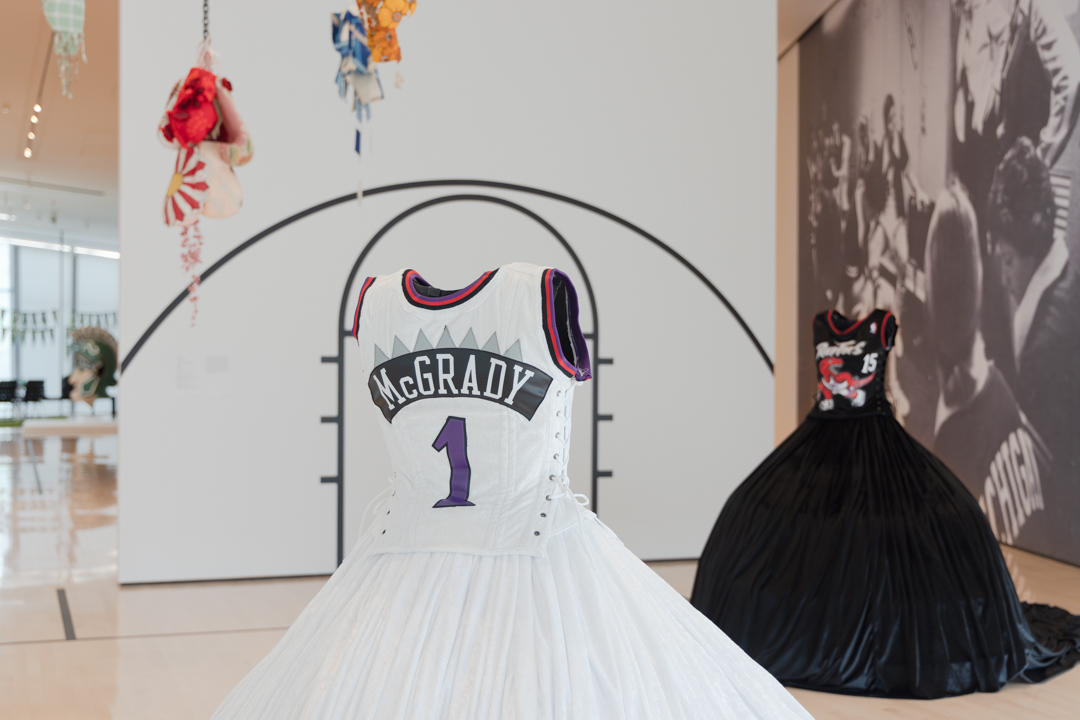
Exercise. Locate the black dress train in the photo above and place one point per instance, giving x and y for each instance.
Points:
(853, 561)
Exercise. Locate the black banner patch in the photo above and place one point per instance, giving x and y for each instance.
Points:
(457, 372)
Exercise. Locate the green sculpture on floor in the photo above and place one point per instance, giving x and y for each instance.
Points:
(96, 353)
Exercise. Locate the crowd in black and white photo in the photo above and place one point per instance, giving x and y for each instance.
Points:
(979, 273)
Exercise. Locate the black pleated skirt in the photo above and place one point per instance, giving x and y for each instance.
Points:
(853, 561)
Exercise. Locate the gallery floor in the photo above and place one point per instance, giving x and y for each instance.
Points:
(75, 645)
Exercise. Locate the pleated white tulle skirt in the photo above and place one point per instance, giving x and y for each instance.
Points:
(587, 633)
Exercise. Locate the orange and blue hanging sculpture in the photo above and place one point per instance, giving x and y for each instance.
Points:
(201, 123)
(382, 21)
(365, 36)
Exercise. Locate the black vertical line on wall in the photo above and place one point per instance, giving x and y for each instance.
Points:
(339, 419)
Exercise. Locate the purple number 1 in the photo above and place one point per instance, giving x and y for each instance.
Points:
(452, 437)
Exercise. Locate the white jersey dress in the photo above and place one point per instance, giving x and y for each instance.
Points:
(483, 590)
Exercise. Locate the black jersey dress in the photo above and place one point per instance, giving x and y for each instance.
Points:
(853, 561)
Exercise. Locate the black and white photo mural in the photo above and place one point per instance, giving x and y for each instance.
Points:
(938, 155)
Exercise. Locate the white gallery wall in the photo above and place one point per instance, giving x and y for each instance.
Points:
(221, 444)
(788, 322)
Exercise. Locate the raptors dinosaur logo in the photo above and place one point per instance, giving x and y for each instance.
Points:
(843, 384)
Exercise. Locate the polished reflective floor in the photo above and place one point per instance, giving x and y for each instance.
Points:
(74, 644)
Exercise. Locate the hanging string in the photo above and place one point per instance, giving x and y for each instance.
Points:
(207, 57)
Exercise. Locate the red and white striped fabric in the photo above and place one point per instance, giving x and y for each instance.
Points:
(188, 189)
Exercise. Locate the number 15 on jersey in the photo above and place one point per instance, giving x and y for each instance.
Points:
(869, 363)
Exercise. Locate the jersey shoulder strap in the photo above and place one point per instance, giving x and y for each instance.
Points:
(887, 327)
(364, 287)
(562, 332)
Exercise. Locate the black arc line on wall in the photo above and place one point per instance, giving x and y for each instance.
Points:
(344, 333)
(449, 183)
(597, 418)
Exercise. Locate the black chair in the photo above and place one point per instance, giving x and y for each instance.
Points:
(9, 393)
(65, 394)
(34, 391)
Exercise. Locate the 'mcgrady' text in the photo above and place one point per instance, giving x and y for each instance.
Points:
(457, 373)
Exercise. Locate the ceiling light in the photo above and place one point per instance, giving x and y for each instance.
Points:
(7, 216)
(31, 135)
(26, 205)
(33, 118)
(37, 108)
(27, 153)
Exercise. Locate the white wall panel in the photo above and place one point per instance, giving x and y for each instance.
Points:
(788, 320)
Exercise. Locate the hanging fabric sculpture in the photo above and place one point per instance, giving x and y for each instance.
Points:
(202, 124)
(383, 17)
(357, 70)
(66, 18)
(363, 37)
(95, 364)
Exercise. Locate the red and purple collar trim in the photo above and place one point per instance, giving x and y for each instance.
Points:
(410, 279)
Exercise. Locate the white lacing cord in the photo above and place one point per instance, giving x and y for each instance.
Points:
(376, 506)
(564, 454)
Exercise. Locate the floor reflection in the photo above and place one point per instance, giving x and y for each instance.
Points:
(57, 510)
(173, 651)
